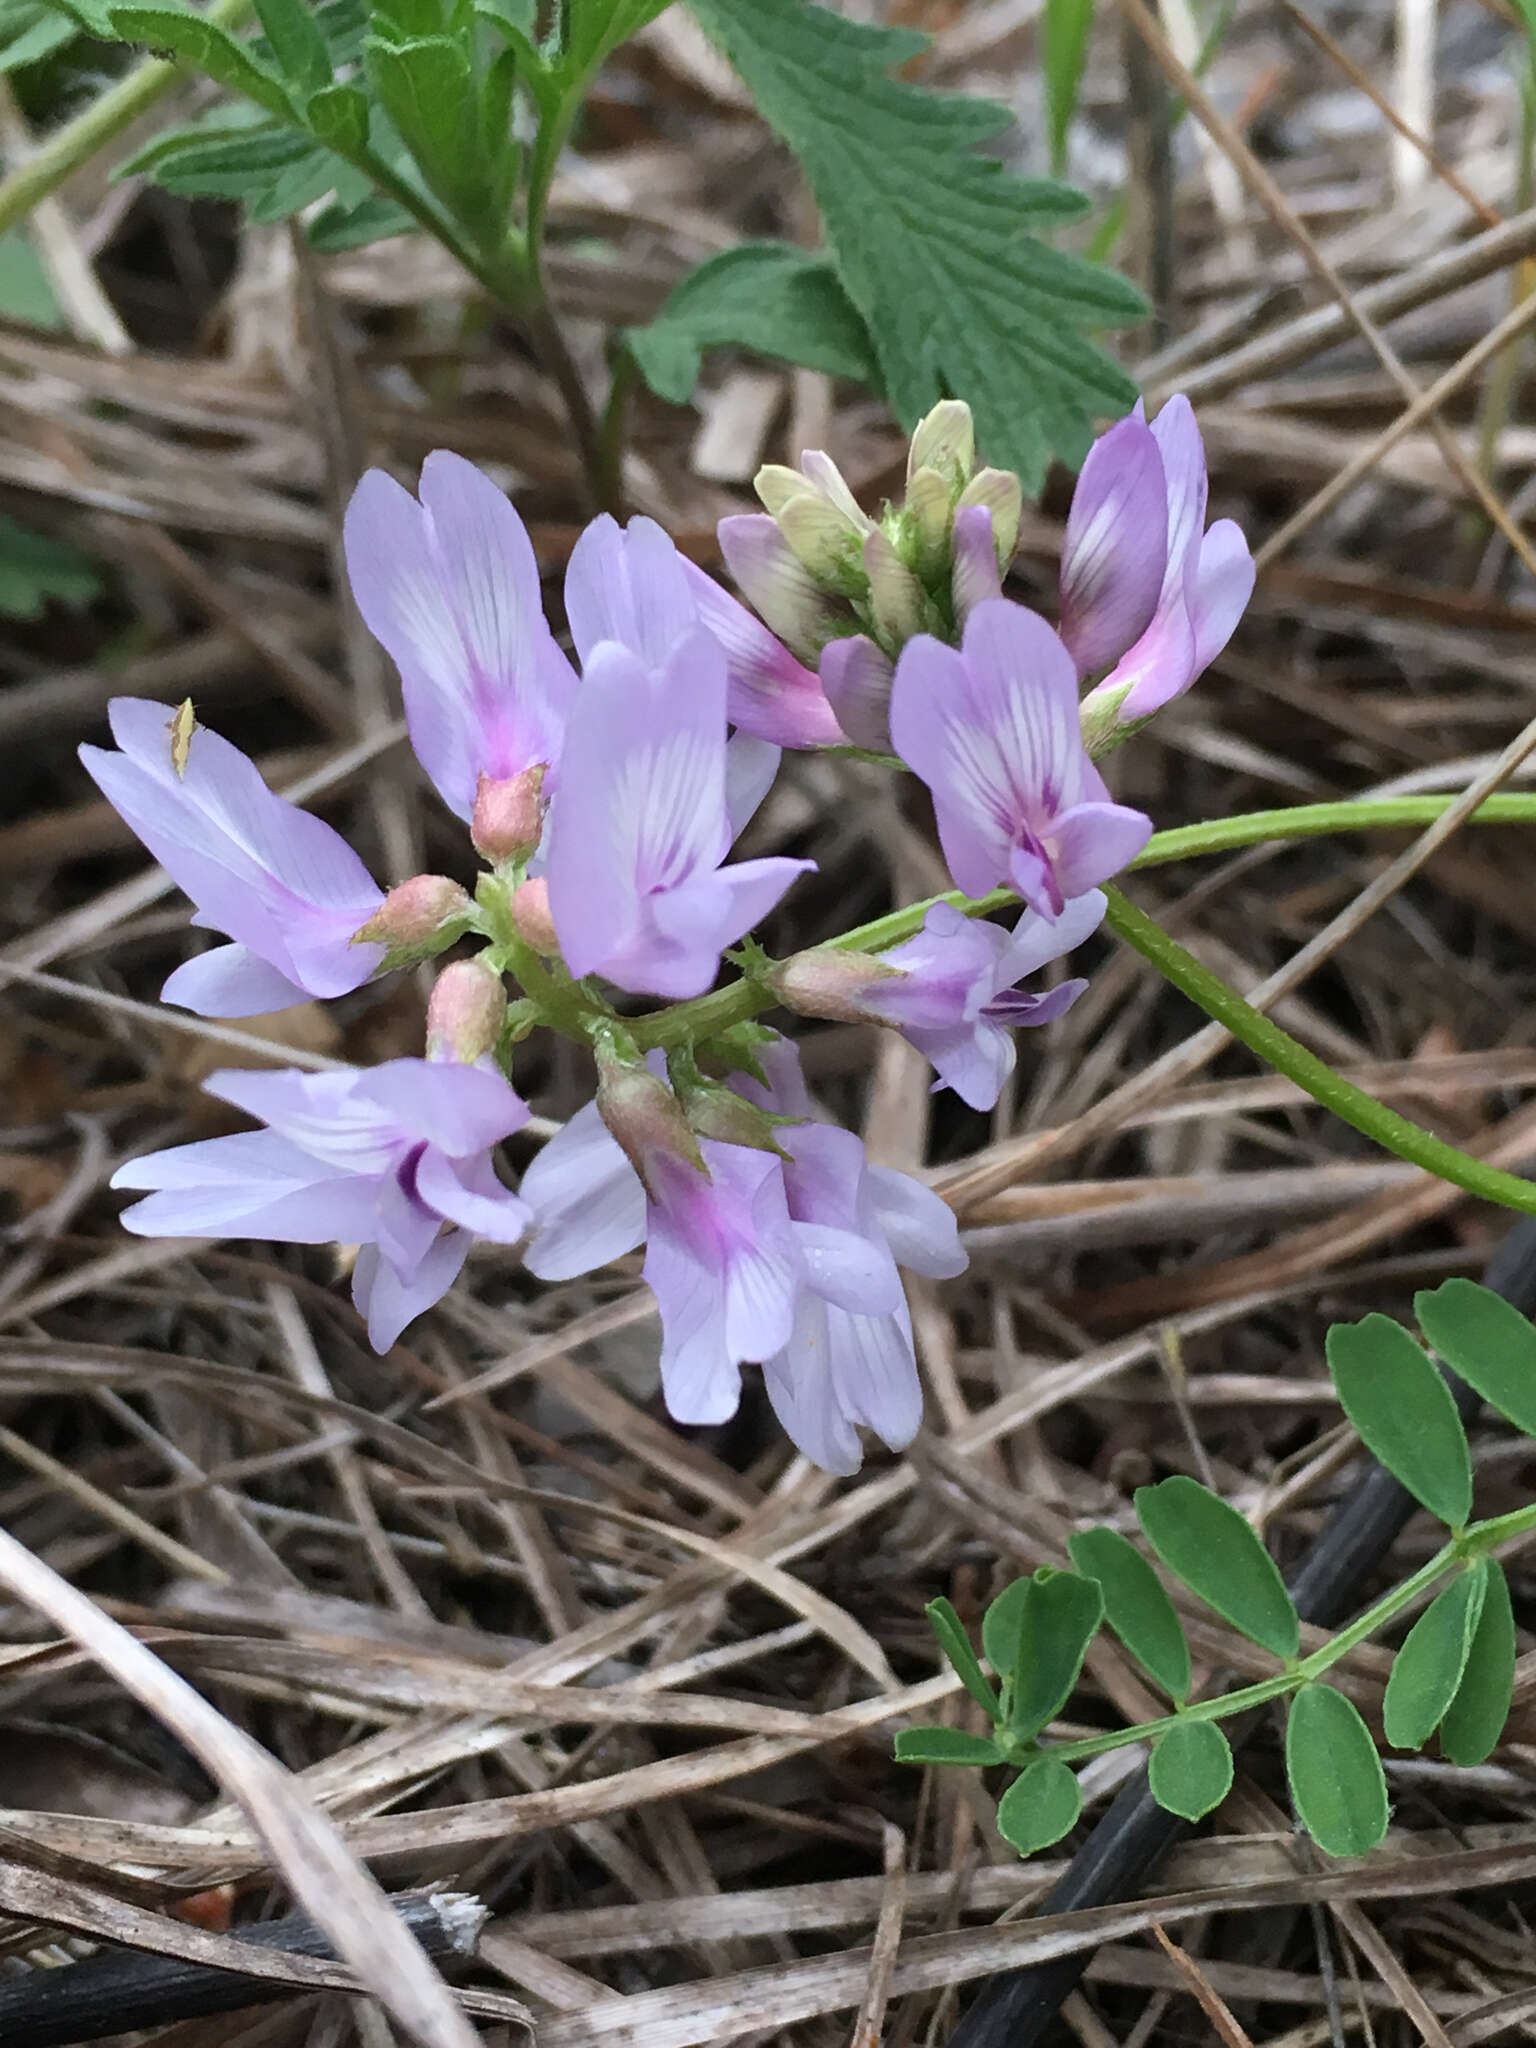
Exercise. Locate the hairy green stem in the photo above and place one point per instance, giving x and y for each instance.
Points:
(77, 141)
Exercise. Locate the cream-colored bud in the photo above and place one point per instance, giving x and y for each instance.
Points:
(944, 440)
(822, 541)
(895, 595)
(929, 509)
(1003, 495)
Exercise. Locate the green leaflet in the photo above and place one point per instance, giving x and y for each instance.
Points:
(1212, 1549)
(956, 1645)
(1488, 1342)
(1404, 1412)
(31, 30)
(297, 43)
(766, 296)
(1475, 1719)
(34, 568)
(1057, 1617)
(1065, 26)
(935, 244)
(944, 1746)
(187, 36)
(1191, 1769)
(1428, 1669)
(1135, 1605)
(1040, 1806)
(1335, 1774)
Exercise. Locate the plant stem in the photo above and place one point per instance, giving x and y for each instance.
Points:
(1393, 1132)
(73, 144)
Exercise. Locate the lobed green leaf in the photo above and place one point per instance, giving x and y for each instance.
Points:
(1335, 1775)
(1135, 1605)
(181, 34)
(1208, 1545)
(1191, 1769)
(944, 1746)
(1487, 1341)
(1393, 1394)
(1427, 1671)
(1040, 1806)
(1475, 1719)
(297, 43)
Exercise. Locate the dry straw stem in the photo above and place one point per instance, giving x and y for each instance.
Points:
(306, 1848)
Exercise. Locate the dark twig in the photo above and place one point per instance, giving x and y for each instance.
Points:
(1135, 1833)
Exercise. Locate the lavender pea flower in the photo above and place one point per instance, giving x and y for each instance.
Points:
(992, 728)
(396, 1159)
(1147, 593)
(636, 837)
(450, 586)
(285, 888)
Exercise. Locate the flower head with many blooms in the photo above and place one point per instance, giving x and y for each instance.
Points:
(603, 793)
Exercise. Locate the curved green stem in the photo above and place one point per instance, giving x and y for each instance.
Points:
(1392, 1131)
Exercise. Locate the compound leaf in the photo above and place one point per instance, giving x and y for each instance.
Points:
(1475, 1719)
(1135, 1605)
(1397, 1400)
(1040, 1806)
(936, 245)
(1213, 1550)
(1427, 1671)
(1335, 1774)
(1191, 1769)
(1488, 1342)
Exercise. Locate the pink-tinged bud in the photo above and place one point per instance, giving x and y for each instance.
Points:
(417, 919)
(827, 982)
(531, 917)
(508, 815)
(465, 1013)
(644, 1115)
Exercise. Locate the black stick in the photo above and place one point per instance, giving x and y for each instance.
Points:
(120, 1990)
(1013, 2010)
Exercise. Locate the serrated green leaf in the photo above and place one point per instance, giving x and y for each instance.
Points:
(1058, 1615)
(297, 43)
(1040, 1806)
(36, 569)
(944, 1746)
(353, 227)
(94, 16)
(595, 28)
(1475, 1719)
(1191, 1769)
(765, 296)
(1336, 1778)
(1135, 1605)
(338, 115)
(201, 43)
(272, 170)
(31, 30)
(1427, 1670)
(1064, 30)
(1392, 1393)
(935, 244)
(1213, 1550)
(956, 1645)
(1487, 1341)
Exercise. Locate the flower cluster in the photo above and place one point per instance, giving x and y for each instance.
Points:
(603, 796)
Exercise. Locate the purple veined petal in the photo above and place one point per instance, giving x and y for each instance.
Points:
(919, 1226)
(1115, 551)
(460, 1110)
(467, 1192)
(763, 1279)
(1183, 455)
(778, 587)
(1222, 587)
(839, 1370)
(1160, 667)
(937, 731)
(857, 677)
(723, 906)
(973, 1059)
(251, 1184)
(823, 1174)
(1025, 689)
(751, 766)
(1095, 841)
(451, 589)
(876, 1373)
(1036, 942)
(388, 1300)
(975, 575)
(1018, 1010)
(851, 1270)
(769, 693)
(404, 1228)
(230, 981)
(701, 1381)
(628, 584)
(949, 970)
(320, 1113)
(803, 1393)
(587, 1202)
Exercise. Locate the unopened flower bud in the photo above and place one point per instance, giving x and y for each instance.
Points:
(465, 1013)
(416, 920)
(825, 981)
(1003, 495)
(644, 1115)
(531, 919)
(720, 1113)
(819, 517)
(974, 575)
(926, 517)
(508, 815)
(779, 588)
(944, 440)
(895, 595)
